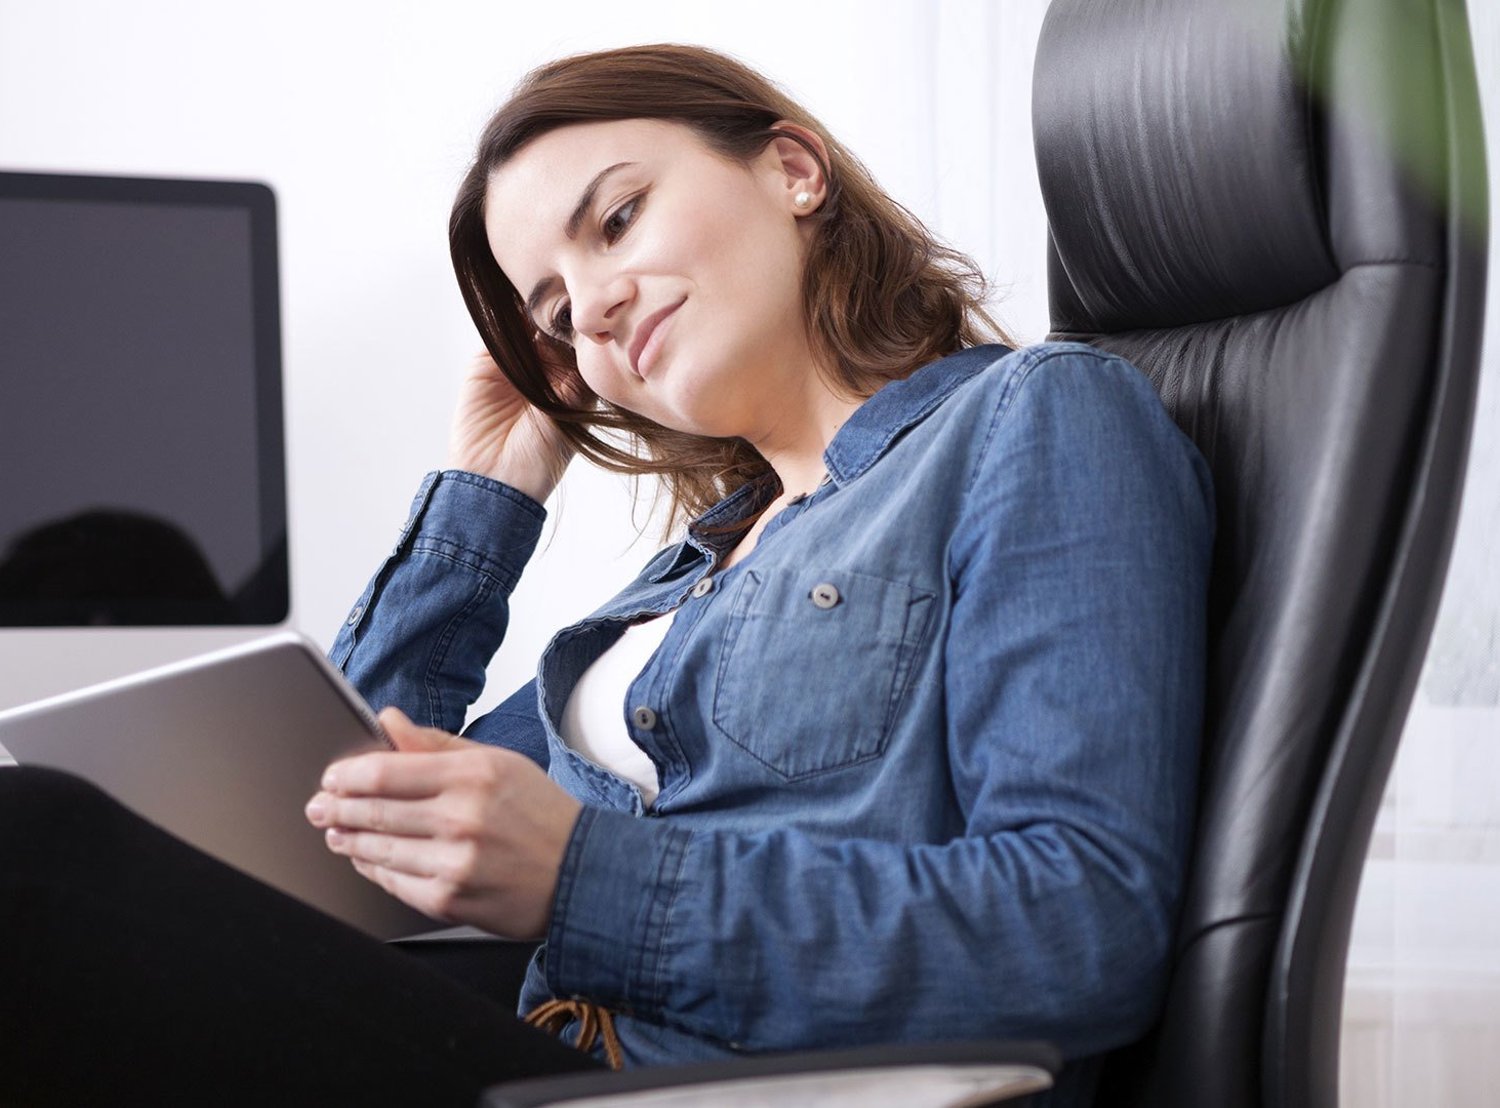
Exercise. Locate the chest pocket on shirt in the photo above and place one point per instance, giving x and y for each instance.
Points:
(814, 665)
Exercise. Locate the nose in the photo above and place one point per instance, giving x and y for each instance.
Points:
(599, 300)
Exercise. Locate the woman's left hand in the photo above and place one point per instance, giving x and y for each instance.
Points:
(464, 832)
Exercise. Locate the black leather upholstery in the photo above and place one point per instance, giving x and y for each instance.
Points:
(1276, 209)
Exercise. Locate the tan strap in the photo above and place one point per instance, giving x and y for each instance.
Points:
(553, 1015)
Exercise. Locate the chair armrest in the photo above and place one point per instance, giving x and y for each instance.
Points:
(926, 1075)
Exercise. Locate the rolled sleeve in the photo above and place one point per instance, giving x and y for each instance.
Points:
(476, 520)
(426, 626)
(619, 879)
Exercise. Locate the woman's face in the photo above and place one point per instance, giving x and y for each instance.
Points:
(674, 273)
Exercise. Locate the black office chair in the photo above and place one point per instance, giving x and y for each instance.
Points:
(1277, 210)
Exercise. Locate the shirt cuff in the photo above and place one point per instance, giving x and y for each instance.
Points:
(607, 937)
(474, 520)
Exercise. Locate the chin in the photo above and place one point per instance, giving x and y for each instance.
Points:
(710, 419)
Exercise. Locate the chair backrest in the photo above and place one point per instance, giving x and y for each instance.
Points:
(1276, 208)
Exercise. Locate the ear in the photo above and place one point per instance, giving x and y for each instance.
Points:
(799, 171)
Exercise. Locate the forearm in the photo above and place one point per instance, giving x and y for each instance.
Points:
(425, 628)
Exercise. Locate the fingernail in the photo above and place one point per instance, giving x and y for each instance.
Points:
(335, 836)
(316, 811)
(330, 780)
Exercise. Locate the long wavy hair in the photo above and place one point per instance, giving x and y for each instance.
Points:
(881, 295)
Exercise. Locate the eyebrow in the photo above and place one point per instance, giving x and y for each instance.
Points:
(581, 209)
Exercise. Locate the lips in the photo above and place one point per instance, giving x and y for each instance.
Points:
(643, 333)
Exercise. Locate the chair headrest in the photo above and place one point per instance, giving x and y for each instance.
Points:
(1202, 159)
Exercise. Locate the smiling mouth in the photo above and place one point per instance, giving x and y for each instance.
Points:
(642, 348)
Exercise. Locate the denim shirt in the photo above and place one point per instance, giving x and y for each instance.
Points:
(927, 755)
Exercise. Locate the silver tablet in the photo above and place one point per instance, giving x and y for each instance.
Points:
(224, 751)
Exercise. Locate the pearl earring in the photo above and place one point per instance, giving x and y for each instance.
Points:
(802, 199)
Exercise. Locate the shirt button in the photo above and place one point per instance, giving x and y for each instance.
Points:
(704, 587)
(359, 610)
(644, 718)
(825, 595)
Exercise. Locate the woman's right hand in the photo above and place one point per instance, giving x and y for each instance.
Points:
(498, 434)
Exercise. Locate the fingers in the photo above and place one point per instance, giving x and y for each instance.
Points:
(432, 878)
(420, 892)
(400, 774)
(483, 364)
(413, 856)
(409, 736)
(392, 817)
(413, 771)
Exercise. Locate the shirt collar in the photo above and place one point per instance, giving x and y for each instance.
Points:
(859, 444)
(899, 406)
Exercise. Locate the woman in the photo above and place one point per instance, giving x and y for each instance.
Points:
(898, 742)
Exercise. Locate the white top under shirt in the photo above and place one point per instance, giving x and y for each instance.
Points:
(593, 720)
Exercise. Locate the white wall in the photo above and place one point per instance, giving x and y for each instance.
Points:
(362, 117)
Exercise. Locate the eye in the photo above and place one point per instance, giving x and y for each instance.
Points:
(561, 324)
(619, 220)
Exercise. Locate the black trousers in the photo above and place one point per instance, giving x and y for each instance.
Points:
(137, 970)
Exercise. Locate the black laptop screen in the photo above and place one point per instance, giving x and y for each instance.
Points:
(141, 471)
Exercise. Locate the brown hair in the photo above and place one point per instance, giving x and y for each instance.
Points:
(882, 297)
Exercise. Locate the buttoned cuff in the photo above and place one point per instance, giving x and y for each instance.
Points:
(609, 917)
(474, 520)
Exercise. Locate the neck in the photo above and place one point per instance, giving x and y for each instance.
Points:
(794, 446)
